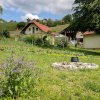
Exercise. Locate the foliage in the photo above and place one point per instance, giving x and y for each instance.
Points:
(10, 26)
(29, 39)
(67, 19)
(5, 33)
(40, 41)
(52, 23)
(20, 25)
(59, 28)
(19, 77)
(2, 20)
(86, 15)
(1, 9)
(62, 44)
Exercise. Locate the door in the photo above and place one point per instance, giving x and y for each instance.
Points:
(33, 30)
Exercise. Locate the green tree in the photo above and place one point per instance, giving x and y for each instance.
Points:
(67, 19)
(49, 23)
(87, 15)
(20, 25)
(1, 9)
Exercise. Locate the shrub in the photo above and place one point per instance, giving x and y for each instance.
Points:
(29, 39)
(40, 41)
(20, 25)
(6, 33)
(62, 44)
(18, 77)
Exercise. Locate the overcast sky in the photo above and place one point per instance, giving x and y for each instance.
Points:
(21, 9)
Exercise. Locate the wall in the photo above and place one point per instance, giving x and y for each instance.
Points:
(79, 35)
(91, 41)
(29, 30)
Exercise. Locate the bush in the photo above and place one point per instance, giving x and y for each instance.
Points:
(5, 33)
(40, 41)
(33, 40)
(18, 77)
(21, 25)
(29, 39)
(62, 44)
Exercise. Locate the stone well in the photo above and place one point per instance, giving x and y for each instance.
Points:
(74, 65)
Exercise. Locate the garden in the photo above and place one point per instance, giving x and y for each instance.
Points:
(26, 72)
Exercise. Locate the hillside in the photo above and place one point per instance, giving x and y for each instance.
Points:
(59, 28)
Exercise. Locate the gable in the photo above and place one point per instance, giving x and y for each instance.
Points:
(31, 29)
(42, 27)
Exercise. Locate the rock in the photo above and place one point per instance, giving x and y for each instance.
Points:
(74, 65)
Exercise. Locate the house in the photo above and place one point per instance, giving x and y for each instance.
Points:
(91, 40)
(34, 27)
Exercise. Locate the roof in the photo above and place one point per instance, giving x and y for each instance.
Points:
(40, 26)
(88, 33)
(68, 32)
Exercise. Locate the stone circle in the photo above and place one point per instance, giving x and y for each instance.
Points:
(74, 65)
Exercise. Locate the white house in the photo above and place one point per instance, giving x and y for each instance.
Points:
(91, 40)
(34, 27)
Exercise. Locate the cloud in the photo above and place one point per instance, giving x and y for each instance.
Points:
(39, 6)
(30, 16)
(1, 4)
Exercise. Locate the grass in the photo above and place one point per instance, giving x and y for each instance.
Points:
(58, 84)
(59, 28)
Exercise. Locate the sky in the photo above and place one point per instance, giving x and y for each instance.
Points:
(20, 10)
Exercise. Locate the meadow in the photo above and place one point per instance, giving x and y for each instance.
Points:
(56, 84)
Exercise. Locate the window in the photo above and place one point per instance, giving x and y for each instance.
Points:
(37, 29)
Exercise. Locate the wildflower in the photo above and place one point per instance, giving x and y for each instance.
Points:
(16, 70)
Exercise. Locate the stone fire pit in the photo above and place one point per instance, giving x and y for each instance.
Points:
(74, 65)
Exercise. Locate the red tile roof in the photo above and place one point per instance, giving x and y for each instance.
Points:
(41, 26)
(88, 33)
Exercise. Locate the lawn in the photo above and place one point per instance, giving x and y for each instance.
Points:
(57, 84)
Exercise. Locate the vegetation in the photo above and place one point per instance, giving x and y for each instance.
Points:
(31, 76)
(59, 28)
(50, 83)
(67, 19)
(10, 26)
(5, 33)
(87, 15)
(19, 77)
(1, 9)
(51, 23)
(37, 40)
(21, 25)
